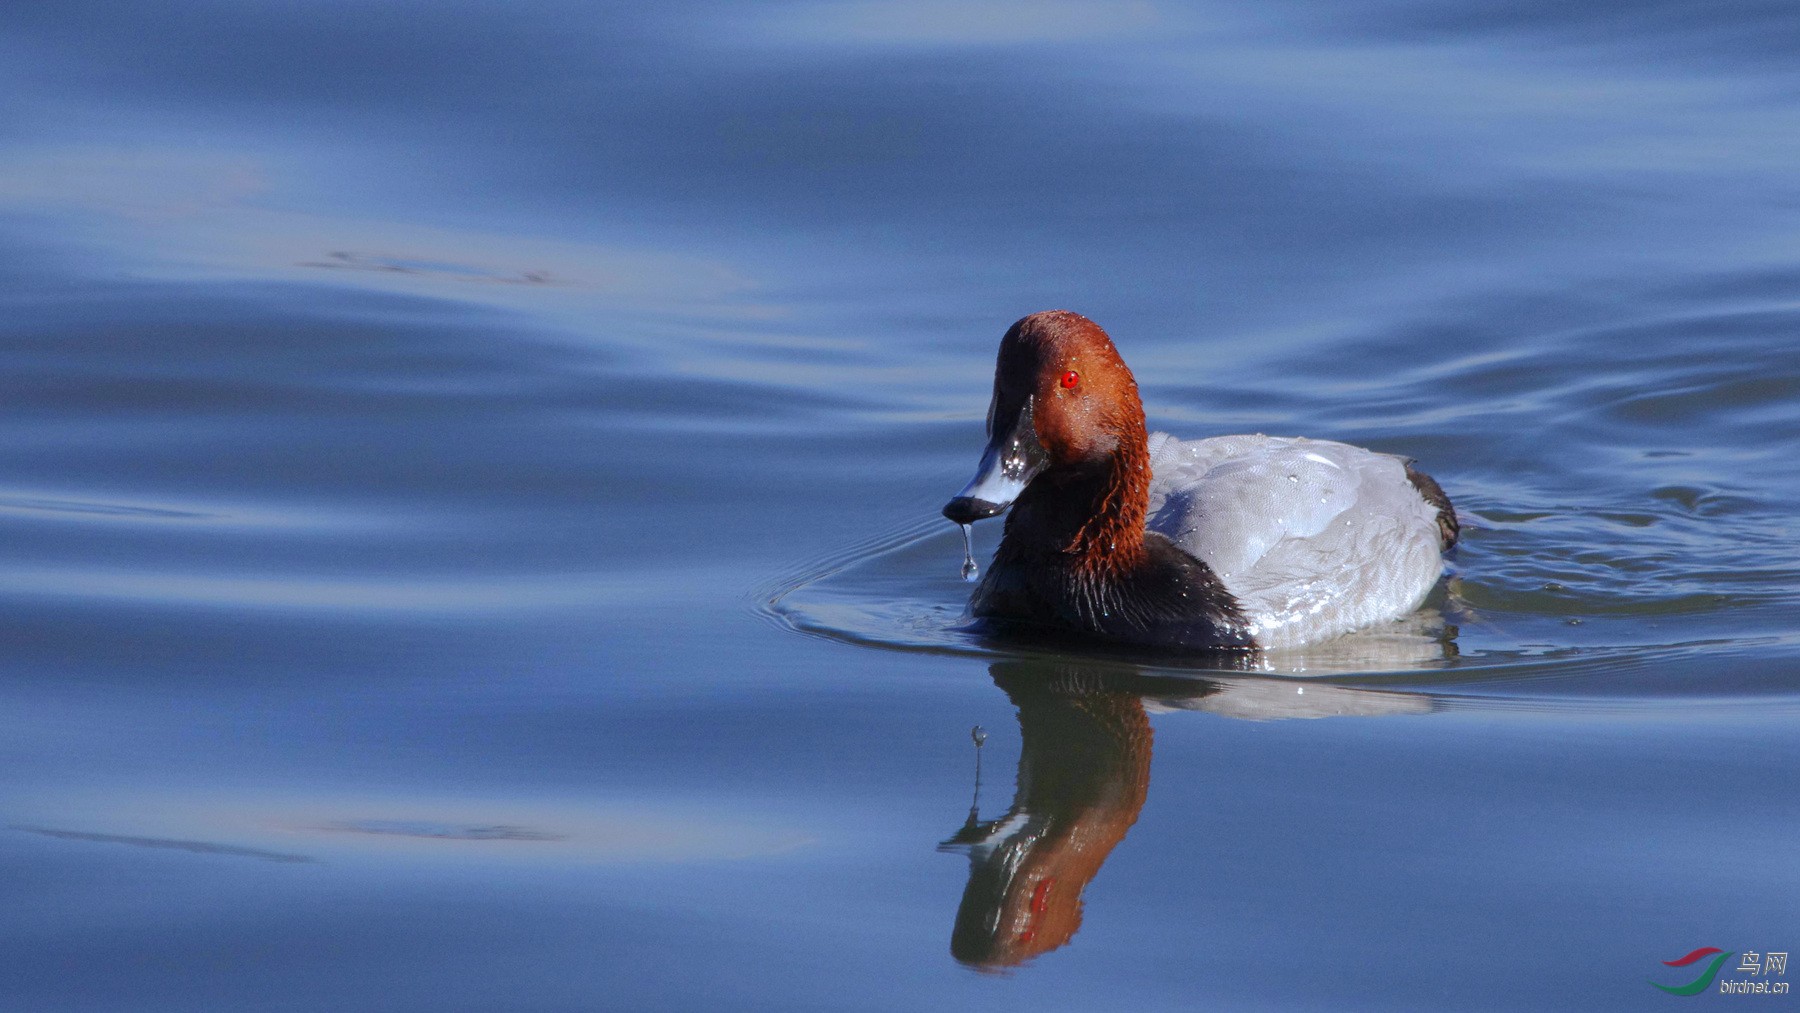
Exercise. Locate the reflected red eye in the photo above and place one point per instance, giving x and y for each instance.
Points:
(1070, 379)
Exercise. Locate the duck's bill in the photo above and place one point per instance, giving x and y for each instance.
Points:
(1012, 458)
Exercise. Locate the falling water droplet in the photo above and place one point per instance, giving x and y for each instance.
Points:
(979, 734)
(969, 569)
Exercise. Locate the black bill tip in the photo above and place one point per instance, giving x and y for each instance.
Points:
(968, 509)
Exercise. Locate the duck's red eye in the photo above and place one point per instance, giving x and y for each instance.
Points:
(1070, 379)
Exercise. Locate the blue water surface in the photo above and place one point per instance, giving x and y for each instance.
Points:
(469, 480)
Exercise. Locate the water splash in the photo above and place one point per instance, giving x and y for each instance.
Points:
(969, 570)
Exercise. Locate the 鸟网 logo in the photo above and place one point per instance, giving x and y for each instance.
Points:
(1759, 967)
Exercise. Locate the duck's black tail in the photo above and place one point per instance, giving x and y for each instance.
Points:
(1434, 494)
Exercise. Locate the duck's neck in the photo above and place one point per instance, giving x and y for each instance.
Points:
(1091, 515)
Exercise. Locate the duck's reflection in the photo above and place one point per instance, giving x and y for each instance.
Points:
(1084, 771)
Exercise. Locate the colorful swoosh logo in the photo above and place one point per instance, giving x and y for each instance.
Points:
(1705, 980)
(1704, 951)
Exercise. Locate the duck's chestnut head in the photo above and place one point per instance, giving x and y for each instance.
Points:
(1063, 399)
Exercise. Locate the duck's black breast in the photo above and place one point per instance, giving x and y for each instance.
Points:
(1169, 599)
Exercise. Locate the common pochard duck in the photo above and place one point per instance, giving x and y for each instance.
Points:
(1230, 542)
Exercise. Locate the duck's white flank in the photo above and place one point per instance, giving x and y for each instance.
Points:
(1313, 538)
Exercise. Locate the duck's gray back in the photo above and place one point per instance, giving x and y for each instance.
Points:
(1314, 538)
